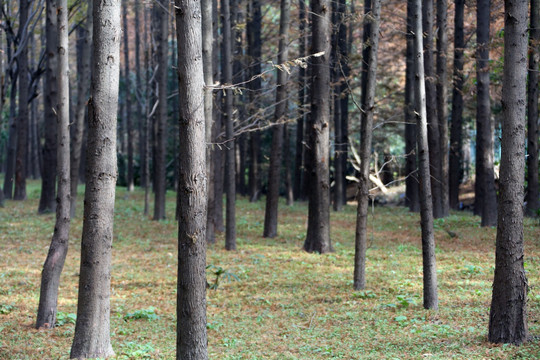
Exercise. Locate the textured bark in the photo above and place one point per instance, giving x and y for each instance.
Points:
(456, 130)
(83, 85)
(130, 133)
(12, 141)
(230, 176)
(318, 231)
(533, 202)
(47, 201)
(411, 167)
(192, 186)
(426, 204)
(508, 314)
(431, 109)
(485, 195)
(272, 196)
(372, 15)
(22, 122)
(289, 191)
(161, 34)
(299, 170)
(50, 276)
(92, 330)
(442, 95)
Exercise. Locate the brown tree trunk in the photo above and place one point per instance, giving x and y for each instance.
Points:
(372, 14)
(426, 205)
(272, 196)
(130, 182)
(191, 343)
(92, 330)
(318, 231)
(508, 314)
(50, 276)
(299, 170)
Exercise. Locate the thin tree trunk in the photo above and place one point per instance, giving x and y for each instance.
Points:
(92, 330)
(272, 197)
(299, 170)
(12, 141)
(426, 204)
(533, 203)
(130, 182)
(192, 340)
(372, 15)
(456, 130)
(508, 314)
(318, 231)
(289, 191)
(50, 276)
(485, 186)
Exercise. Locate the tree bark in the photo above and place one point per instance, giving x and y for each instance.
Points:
(486, 198)
(47, 201)
(533, 203)
(130, 182)
(508, 314)
(92, 330)
(372, 14)
(50, 276)
(426, 204)
(318, 231)
(272, 196)
(192, 186)
(456, 130)
(299, 170)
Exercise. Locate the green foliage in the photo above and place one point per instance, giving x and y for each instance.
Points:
(64, 318)
(144, 314)
(135, 350)
(220, 272)
(365, 294)
(6, 309)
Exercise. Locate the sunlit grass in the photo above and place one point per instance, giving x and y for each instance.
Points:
(286, 304)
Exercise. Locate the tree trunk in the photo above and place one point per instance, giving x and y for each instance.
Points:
(85, 37)
(442, 94)
(533, 203)
(160, 183)
(426, 204)
(192, 186)
(50, 276)
(508, 314)
(372, 15)
(130, 182)
(22, 122)
(486, 198)
(456, 130)
(272, 196)
(47, 201)
(299, 170)
(12, 138)
(411, 167)
(289, 191)
(318, 231)
(92, 330)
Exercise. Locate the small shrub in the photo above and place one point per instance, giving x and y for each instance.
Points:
(64, 318)
(146, 314)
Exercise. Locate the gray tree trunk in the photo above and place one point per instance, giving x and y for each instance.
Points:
(192, 340)
(318, 231)
(508, 314)
(426, 210)
(272, 196)
(372, 14)
(533, 202)
(130, 128)
(486, 200)
(299, 170)
(92, 330)
(50, 276)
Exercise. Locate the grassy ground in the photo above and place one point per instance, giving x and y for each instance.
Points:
(286, 304)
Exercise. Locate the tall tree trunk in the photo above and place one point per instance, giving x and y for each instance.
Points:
(431, 109)
(22, 122)
(130, 182)
(230, 224)
(318, 231)
(2, 92)
(47, 201)
(508, 314)
(442, 94)
(533, 203)
(85, 37)
(299, 170)
(192, 340)
(272, 197)
(486, 197)
(92, 330)
(456, 130)
(50, 276)
(372, 15)
(160, 183)
(12, 138)
(411, 167)
(148, 117)
(426, 205)
(289, 190)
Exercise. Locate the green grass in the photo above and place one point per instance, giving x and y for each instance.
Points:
(279, 302)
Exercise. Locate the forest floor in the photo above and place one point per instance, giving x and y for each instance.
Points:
(278, 302)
